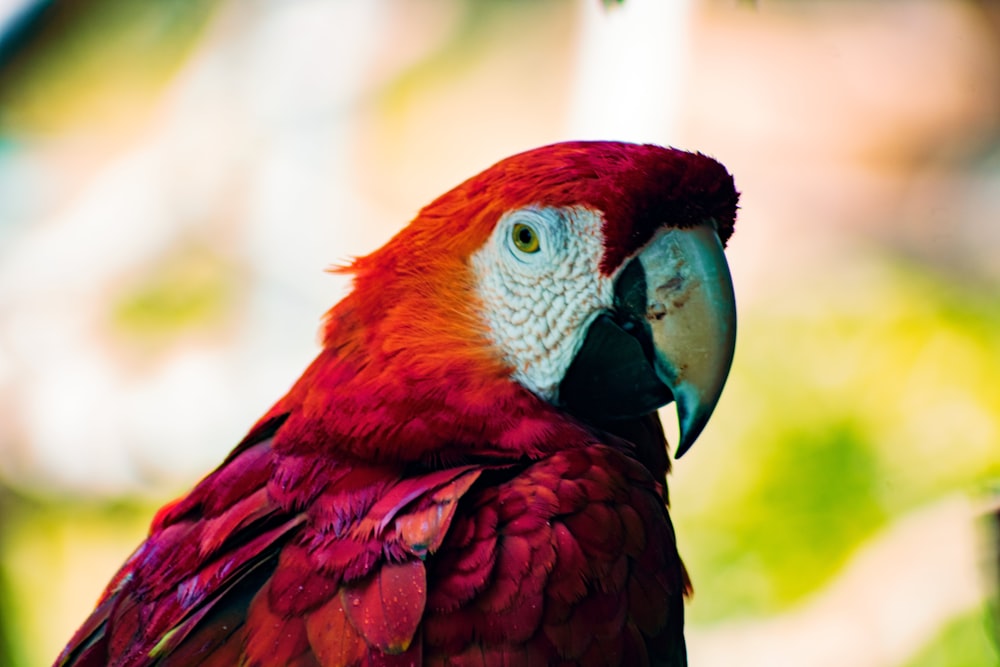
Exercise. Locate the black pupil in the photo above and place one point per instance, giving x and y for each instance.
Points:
(525, 235)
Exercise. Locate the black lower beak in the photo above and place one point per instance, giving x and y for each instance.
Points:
(611, 376)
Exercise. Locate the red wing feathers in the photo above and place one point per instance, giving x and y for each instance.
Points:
(277, 560)
(566, 560)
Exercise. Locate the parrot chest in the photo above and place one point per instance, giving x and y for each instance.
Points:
(573, 560)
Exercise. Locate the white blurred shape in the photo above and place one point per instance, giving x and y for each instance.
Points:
(72, 437)
(121, 218)
(308, 58)
(176, 397)
(11, 9)
(631, 63)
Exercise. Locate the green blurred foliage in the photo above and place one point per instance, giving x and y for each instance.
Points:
(854, 399)
(8, 601)
(87, 63)
(55, 551)
(191, 289)
(967, 642)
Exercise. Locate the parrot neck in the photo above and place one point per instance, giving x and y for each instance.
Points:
(431, 399)
(644, 438)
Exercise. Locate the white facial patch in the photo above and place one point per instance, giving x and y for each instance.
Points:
(539, 299)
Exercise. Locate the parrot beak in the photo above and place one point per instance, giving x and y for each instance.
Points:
(671, 337)
(691, 313)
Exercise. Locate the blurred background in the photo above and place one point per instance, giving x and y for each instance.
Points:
(175, 176)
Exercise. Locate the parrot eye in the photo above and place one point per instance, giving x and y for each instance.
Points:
(525, 238)
(532, 237)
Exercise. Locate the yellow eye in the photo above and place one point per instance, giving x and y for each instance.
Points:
(524, 237)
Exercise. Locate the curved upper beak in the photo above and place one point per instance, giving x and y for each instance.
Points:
(670, 336)
(690, 310)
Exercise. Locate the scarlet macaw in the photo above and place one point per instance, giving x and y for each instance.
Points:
(472, 471)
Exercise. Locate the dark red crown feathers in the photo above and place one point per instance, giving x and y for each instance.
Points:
(639, 188)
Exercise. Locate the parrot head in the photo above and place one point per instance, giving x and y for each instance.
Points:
(577, 283)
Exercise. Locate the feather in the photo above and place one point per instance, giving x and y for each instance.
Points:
(276, 639)
(387, 607)
(332, 637)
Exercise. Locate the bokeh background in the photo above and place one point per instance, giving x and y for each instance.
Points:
(176, 175)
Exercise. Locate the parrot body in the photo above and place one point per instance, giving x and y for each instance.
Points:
(472, 471)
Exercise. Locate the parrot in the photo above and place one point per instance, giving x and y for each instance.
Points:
(472, 471)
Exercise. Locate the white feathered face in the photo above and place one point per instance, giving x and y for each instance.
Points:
(608, 345)
(540, 286)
